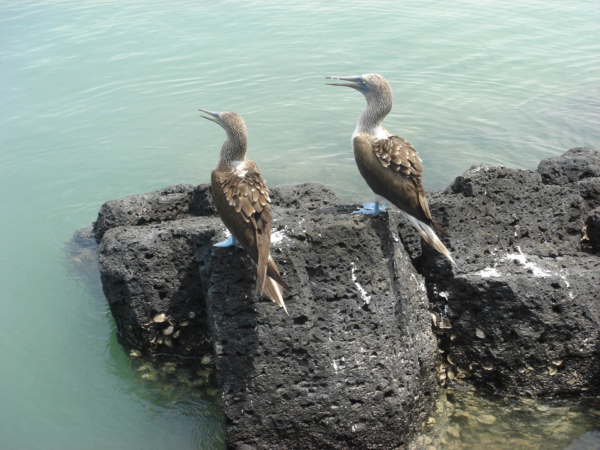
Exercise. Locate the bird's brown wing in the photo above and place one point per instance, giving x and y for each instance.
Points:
(243, 203)
(398, 155)
(248, 194)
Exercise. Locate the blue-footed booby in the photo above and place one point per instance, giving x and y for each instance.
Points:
(243, 203)
(389, 164)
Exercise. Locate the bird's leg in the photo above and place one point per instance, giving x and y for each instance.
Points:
(371, 208)
(230, 241)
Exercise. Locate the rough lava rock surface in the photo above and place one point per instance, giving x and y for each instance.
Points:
(142, 209)
(524, 303)
(355, 363)
(150, 277)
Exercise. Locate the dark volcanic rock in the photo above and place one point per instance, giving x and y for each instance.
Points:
(142, 209)
(589, 189)
(308, 196)
(592, 225)
(148, 264)
(184, 200)
(354, 365)
(150, 277)
(575, 165)
(524, 303)
(148, 267)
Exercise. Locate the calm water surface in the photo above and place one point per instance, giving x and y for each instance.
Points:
(99, 99)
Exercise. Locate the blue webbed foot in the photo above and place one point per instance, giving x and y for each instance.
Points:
(230, 241)
(371, 208)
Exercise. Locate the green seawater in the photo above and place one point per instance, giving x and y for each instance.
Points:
(99, 99)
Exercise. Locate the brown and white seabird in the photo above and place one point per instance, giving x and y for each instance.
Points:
(243, 204)
(389, 164)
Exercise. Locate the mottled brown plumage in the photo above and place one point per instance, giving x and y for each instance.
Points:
(243, 204)
(242, 201)
(399, 155)
(399, 176)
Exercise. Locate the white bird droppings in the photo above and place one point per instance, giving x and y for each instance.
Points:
(363, 294)
(490, 272)
(522, 259)
(277, 237)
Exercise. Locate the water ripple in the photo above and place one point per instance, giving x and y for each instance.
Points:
(100, 100)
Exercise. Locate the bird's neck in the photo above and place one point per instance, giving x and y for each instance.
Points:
(372, 116)
(233, 152)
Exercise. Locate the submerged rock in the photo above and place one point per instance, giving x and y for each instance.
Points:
(494, 422)
(589, 441)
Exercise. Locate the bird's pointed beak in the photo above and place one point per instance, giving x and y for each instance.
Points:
(356, 82)
(214, 116)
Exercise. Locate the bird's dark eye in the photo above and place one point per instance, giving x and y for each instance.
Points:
(364, 81)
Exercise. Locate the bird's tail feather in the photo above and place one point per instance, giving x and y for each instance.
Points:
(273, 272)
(267, 285)
(274, 291)
(429, 236)
(261, 277)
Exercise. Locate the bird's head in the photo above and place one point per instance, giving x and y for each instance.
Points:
(373, 86)
(231, 122)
